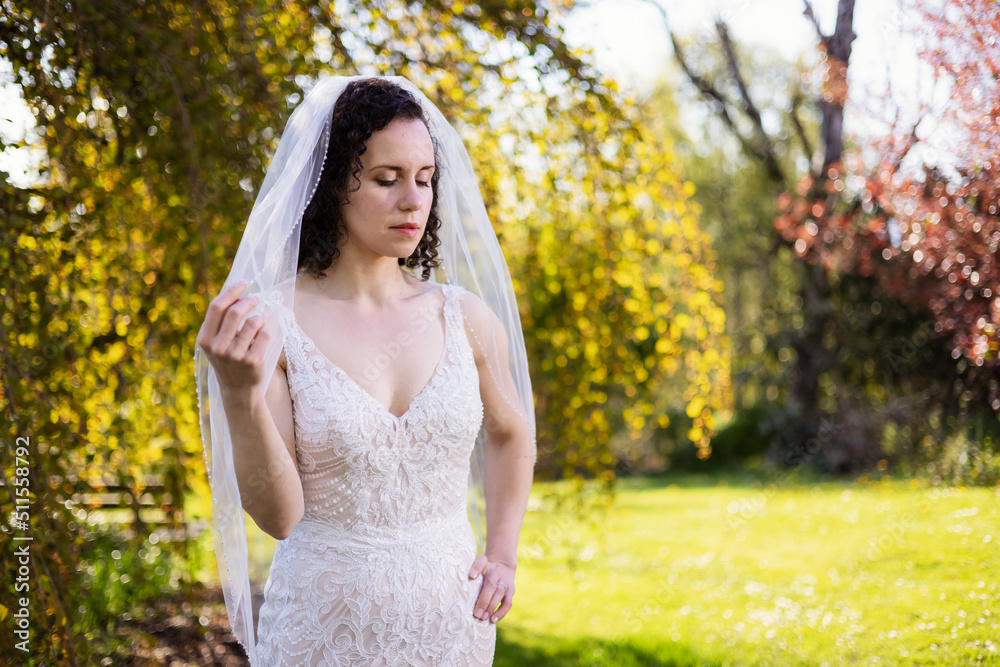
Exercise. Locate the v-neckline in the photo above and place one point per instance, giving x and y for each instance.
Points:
(365, 392)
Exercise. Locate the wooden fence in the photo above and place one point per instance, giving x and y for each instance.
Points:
(151, 503)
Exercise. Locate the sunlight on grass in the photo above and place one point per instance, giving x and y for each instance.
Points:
(734, 571)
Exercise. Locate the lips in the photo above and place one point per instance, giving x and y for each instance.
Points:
(409, 229)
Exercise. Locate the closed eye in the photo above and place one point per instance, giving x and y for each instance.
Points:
(386, 183)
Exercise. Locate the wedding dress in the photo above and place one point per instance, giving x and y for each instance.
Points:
(376, 572)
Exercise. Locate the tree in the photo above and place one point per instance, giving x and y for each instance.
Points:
(738, 202)
(901, 390)
(625, 315)
(727, 90)
(929, 232)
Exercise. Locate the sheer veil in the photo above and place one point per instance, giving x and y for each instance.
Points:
(267, 259)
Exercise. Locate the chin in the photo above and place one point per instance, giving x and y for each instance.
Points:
(400, 248)
(401, 254)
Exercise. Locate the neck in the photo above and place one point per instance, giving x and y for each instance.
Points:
(374, 281)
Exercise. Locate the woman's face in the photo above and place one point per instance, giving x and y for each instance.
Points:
(387, 214)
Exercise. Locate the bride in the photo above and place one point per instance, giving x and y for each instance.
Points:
(359, 411)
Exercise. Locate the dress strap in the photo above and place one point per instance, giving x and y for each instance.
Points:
(452, 306)
(455, 318)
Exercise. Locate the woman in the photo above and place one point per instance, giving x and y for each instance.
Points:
(365, 408)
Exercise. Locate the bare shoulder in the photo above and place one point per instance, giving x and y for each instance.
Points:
(481, 323)
(475, 309)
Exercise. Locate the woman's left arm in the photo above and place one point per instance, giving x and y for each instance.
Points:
(509, 461)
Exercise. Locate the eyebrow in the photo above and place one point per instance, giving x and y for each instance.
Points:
(395, 168)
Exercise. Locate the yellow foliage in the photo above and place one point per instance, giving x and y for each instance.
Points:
(695, 407)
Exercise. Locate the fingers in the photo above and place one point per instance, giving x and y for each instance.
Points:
(478, 566)
(499, 594)
(217, 309)
(505, 606)
(486, 593)
(234, 315)
(250, 333)
(492, 596)
(494, 599)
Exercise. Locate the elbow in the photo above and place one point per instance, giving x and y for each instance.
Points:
(282, 528)
(509, 436)
(281, 531)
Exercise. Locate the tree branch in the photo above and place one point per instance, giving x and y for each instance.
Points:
(812, 18)
(751, 110)
(724, 106)
(800, 131)
(734, 70)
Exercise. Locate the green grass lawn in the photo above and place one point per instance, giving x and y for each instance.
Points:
(732, 570)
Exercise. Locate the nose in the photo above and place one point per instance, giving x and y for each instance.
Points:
(410, 199)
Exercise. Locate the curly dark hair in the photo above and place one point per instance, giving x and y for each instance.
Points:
(363, 108)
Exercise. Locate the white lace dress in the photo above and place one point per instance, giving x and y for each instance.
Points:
(376, 572)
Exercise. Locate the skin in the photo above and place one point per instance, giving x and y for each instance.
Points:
(387, 309)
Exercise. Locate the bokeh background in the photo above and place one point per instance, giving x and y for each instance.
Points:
(754, 246)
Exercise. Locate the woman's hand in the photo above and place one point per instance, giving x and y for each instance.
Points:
(494, 574)
(238, 358)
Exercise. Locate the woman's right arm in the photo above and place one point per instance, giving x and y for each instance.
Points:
(264, 455)
(260, 423)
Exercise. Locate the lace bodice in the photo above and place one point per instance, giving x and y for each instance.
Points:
(363, 467)
(376, 571)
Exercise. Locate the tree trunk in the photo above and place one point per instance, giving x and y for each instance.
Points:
(812, 358)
